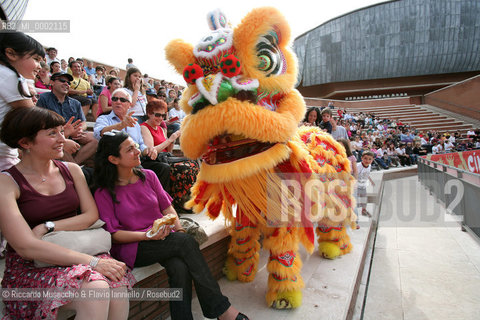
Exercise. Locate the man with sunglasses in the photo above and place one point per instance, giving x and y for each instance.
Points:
(121, 119)
(80, 145)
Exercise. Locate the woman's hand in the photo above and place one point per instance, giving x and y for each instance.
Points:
(39, 231)
(150, 152)
(70, 146)
(137, 85)
(111, 268)
(162, 234)
(173, 137)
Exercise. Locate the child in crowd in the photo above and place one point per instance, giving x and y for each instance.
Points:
(175, 115)
(363, 169)
(351, 157)
(20, 57)
(326, 116)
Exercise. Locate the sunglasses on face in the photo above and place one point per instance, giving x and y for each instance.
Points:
(158, 115)
(63, 80)
(121, 99)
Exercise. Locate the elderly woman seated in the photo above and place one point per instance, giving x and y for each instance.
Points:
(183, 171)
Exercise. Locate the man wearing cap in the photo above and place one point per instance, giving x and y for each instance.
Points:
(151, 94)
(79, 145)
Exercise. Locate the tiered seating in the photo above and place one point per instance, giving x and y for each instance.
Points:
(416, 116)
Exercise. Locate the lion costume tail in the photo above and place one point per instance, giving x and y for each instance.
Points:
(335, 203)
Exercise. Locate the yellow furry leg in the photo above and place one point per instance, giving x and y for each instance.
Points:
(333, 240)
(242, 260)
(284, 281)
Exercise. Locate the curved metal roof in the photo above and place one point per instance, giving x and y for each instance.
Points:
(12, 9)
(392, 39)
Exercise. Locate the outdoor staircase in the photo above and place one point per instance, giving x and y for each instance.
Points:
(420, 117)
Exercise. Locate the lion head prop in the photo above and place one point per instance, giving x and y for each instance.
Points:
(243, 115)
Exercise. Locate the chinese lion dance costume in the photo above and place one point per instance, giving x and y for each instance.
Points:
(243, 115)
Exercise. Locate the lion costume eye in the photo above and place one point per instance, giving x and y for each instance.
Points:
(271, 58)
(209, 48)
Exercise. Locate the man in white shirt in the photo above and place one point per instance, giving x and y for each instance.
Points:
(437, 148)
(402, 155)
(448, 146)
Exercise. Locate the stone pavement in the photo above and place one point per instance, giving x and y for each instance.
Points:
(423, 267)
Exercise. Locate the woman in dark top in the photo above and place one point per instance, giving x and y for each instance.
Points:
(37, 196)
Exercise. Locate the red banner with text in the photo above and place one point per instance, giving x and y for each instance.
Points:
(466, 160)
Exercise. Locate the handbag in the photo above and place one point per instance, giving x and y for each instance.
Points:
(167, 157)
(193, 228)
(93, 241)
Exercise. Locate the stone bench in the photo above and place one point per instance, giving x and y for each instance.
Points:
(154, 276)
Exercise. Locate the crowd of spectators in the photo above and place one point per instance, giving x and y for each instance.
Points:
(40, 194)
(91, 82)
(81, 92)
(393, 142)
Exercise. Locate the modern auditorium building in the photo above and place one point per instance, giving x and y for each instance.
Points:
(394, 48)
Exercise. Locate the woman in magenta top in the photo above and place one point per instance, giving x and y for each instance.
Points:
(129, 200)
(105, 98)
(154, 129)
(40, 195)
(42, 80)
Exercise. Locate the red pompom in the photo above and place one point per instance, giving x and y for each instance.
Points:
(192, 72)
(230, 66)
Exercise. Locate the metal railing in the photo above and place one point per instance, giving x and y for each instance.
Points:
(457, 189)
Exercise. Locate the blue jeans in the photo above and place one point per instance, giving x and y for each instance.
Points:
(413, 158)
(382, 163)
(180, 255)
(173, 127)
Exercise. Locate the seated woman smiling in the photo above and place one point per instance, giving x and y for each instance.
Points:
(40, 195)
(183, 171)
(154, 129)
(129, 200)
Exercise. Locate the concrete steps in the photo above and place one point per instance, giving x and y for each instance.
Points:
(332, 287)
(419, 117)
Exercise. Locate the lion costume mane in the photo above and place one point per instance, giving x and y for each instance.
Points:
(261, 171)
